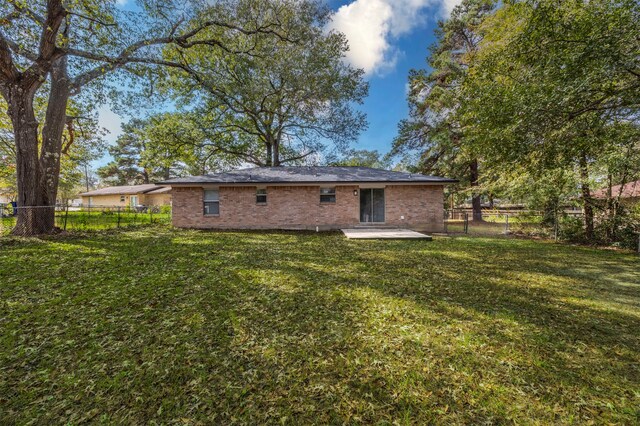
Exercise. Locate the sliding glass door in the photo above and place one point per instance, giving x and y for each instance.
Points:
(372, 205)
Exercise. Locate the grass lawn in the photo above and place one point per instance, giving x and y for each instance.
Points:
(94, 220)
(495, 224)
(187, 327)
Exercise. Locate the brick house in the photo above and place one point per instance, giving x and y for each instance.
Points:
(308, 198)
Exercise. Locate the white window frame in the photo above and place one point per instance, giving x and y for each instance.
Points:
(332, 193)
(261, 192)
(214, 199)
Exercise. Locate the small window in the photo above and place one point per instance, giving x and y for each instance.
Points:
(122, 198)
(211, 202)
(261, 196)
(327, 195)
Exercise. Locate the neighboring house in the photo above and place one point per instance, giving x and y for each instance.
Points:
(128, 196)
(75, 202)
(630, 192)
(308, 198)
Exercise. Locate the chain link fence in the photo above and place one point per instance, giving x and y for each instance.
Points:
(519, 222)
(495, 222)
(565, 226)
(34, 219)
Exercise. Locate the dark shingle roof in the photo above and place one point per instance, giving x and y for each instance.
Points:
(303, 174)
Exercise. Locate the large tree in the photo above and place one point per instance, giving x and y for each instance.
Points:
(184, 137)
(281, 104)
(82, 142)
(434, 129)
(362, 158)
(72, 44)
(139, 157)
(556, 85)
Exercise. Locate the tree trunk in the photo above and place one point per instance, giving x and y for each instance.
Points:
(51, 150)
(550, 211)
(610, 210)
(269, 161)
(476, 202)
(276, 154)
(586, 199)
(25, 126)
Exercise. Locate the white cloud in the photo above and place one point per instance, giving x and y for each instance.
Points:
(448, 5)
(371, 26)
(366, 24)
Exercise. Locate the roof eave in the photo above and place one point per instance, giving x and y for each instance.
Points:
(302, 183)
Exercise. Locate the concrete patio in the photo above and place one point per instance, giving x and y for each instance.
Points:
(383, 234)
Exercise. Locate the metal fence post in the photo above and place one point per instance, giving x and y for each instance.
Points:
(506, 224)
(638, 242)
(555, 228)
(150, 215)
(466, 223)
(446, 222)
(118, 225)
(66, 216)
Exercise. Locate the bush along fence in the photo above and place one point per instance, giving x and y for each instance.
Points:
(90, 218)
(565, 227)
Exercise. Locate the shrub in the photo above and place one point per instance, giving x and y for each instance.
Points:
(571, 228)
(620, 231)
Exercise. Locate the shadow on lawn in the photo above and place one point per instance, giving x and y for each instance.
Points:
(315, 328)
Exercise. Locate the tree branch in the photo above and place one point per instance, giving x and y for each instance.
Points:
(7, 66)
(23, 11)
(32, 56)
(48, 52)
(183, 41)
(299, 157)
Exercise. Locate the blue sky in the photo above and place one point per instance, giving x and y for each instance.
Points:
(387, 38)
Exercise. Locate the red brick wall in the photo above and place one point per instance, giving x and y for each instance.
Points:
(299, 207)
(421, 206)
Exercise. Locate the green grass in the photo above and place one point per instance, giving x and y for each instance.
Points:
(96, 220)
(153, 325)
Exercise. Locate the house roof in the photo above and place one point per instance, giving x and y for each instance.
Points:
(304, 174)
(160, 190)
(629, 190)
(123, 190)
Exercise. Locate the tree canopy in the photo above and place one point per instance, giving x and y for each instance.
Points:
(435, 128)
(72, 45)
(543, 94)
(283, 102)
